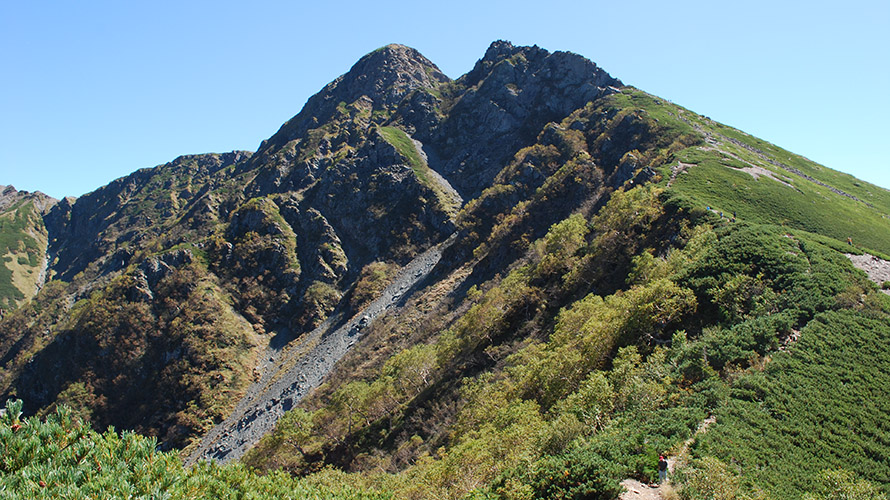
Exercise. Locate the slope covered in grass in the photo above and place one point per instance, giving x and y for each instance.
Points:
(22, 248)
(733, 172)
(820, 406)
(406, 147)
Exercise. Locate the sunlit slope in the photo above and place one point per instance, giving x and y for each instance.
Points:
(22, 247)
(734, 173)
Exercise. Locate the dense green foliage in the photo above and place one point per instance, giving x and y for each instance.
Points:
(820, 406)
(62, 457)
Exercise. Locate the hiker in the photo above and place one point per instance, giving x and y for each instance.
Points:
(662, 469)
(850, 241)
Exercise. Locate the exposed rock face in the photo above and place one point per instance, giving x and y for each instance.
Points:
(395, 207)
(509, 96)
(94, 226)
(10, 196)
(329, 263)
(386, 76)
(360, 185)
(153, 270)
(342, 112)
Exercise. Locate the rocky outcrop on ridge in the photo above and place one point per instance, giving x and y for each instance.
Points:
(9, 196)
(129, 210)
(502, 105)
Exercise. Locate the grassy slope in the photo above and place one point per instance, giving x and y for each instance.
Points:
(821, 405)
(716, 180)
(22, 245)
(403, 144)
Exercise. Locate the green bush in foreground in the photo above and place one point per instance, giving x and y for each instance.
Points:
(63, 458)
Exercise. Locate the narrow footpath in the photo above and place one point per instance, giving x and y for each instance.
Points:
(636, 490)
(288, 373)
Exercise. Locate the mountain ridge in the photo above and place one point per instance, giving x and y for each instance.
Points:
(577, 198)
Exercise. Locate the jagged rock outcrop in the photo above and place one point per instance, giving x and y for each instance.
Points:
(338, 116)
(10, 196)
(127, 211)
(503, 104)
(327, 261)
(361, 185)
(151, 271)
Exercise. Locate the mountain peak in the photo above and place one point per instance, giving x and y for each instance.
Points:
(384, 76)
(503, 50)
(394, 50)
(9, 196)
(387, 74)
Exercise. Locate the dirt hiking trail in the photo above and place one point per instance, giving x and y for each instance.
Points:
(636, 490)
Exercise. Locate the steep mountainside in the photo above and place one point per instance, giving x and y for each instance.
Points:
(523, 283)
(92, 234)
(23, 242)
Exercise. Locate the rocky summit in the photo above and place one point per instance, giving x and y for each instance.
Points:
(526, 282)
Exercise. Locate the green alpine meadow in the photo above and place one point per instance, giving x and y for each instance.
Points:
(530, 282)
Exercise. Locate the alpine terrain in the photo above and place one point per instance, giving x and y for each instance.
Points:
(528, 282)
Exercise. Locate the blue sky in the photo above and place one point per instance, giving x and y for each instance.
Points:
(93, 90)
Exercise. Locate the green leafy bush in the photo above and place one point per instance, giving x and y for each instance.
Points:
(820, 405)
(62, 457)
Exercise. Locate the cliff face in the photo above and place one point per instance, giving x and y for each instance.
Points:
(98, 232)
(500, 107)
(340, 117)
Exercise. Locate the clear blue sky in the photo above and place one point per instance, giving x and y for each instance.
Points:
(93, 90)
